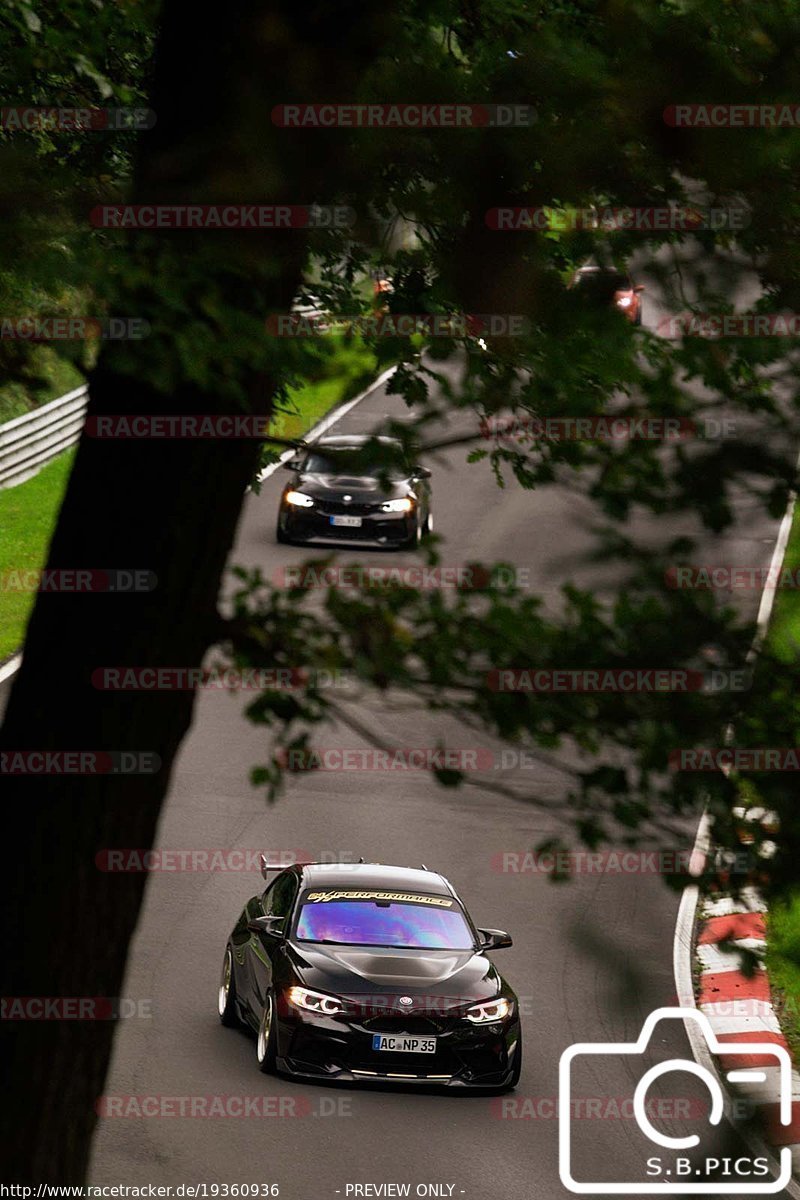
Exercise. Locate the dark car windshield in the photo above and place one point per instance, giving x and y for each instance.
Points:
(429, 923)
(603, 283)
(334, 462)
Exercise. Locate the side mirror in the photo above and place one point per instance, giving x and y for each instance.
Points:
(494, 939)
(640, 288)
(421, 473)
(271, 927)
(292, 464)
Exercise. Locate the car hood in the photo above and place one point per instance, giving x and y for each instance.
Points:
(461, 975)
(363, 489)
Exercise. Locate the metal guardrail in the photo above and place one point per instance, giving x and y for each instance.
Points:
(30, 441)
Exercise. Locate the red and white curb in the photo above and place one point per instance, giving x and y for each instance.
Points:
(739, 1008)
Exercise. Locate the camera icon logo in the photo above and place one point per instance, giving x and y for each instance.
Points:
(674, 1184)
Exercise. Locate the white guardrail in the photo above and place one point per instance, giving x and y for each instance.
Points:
(30, 441)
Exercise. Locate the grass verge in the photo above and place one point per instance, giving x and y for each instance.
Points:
(28, 512)
(46, 377)
(27, 517)
(783, 639)
(783, 967)
(342, 373)
(783, 920)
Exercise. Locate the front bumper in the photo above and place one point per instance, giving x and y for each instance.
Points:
(378, 528)
(340, 1049)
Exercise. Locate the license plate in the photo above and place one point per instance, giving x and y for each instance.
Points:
(349, 522)
(403, 1045)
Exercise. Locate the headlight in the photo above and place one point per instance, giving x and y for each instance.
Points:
(624, 302)
(318, 1002)
(492, 1010)
(405, 504)
(299, 499)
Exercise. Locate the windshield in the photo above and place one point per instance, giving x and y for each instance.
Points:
(603, 283)
(338, 463)
(430, 923)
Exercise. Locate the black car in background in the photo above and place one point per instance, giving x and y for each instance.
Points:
(371, 974)
(610, 288)
(335, 496)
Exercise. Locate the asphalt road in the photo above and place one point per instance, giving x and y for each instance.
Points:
(590, 960)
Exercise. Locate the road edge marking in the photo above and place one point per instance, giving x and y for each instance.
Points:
(10, 668)
(328, 421)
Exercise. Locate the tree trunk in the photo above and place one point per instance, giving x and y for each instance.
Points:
(170, 507)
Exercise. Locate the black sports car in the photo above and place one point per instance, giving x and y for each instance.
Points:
(372, 974)
(336, 496)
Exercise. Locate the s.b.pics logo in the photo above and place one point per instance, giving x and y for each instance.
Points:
(672, 1159)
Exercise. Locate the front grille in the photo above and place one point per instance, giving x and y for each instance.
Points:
(334, 508)
(413, 1026)
(372, 531)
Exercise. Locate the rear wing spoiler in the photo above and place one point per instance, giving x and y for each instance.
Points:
(266, 866)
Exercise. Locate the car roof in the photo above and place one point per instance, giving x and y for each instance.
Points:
(351, 441)
(375, 875)
(593, 269)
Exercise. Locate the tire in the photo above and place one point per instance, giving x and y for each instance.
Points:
(280, 536)
(413, 542)
(428, 526)
(266, 1041)
(226, 997)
